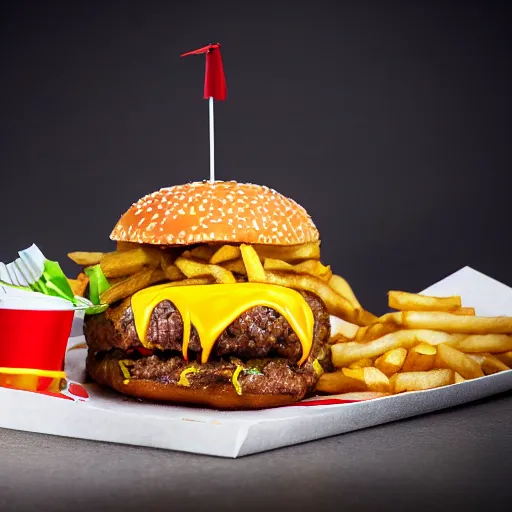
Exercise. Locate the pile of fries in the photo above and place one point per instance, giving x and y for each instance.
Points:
(427, 343)
(133, 267)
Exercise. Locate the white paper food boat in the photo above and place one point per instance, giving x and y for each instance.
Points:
(112, 418)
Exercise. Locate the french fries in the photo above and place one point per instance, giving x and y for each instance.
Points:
(362, 363)
(414, 302)
(374, 379)
(192, 268)
(290, 253)
(420, 358)
(449, 357)
(127, 263)
(311, 267)
(505, 358)
(345, 353)
(419, 381)
(86, 259)
(255, 271)
(226, 253)
(336, 304)
(492, 364)
(443, 321)
(429, 342)
(337, 382)
(341, 287)
(132, 284)
(493, 343)
(235, 266)
(391, 361)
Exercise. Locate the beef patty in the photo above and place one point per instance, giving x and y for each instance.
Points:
(261, 341)
(259, 332)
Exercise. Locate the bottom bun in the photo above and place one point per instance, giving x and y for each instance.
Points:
(217, 395)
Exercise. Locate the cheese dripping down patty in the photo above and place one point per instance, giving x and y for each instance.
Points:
(212, 308)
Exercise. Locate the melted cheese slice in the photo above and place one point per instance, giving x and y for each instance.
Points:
(212, 308)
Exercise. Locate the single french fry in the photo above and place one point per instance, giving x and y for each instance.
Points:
(192, 268)
(491, 364)
(122, 264)
(86, 259)
(273, 264)
(235, 266)
(361, 363)
(391, 361)
(459, 378)
(374, 331)
(221, 275)
(132, 284)
(226, 253)
(345, 353)
(420, 358)
(255, 271)
(418, 381)
(336, 382)
(493, 343)
(414, 302)
(449, 357)
(341, 287)
(463, 311)
(506, 358)
(455, 323)
(201, 252)
(290, 253)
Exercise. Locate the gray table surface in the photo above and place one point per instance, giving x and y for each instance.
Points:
(456, 459)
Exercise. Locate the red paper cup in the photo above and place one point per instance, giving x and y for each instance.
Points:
(33, 339)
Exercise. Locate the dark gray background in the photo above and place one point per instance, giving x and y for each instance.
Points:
(389, 121)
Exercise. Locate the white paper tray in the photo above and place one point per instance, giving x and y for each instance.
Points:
(112, 418)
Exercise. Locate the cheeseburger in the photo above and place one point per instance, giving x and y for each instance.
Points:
(215, 296)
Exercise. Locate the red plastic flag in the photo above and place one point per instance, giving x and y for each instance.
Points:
(214, 79)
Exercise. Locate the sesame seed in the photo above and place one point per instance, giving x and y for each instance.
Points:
(167, 212)
(285, 227)
(204, 226)
(240, 226)
(255, 224)
(193, 228)
(230, 210)
(201, 208)
(205, 201)
(212, 235)
(141, 221)
(241, 192)
(150, 209)
(241, 210)
(138, 212)
(159, 206)
(154, 216)
(174, 217)
(192, 210)
(230, 222)
(181, 211)
(151, 226)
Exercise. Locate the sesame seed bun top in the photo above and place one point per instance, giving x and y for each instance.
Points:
(203, 212)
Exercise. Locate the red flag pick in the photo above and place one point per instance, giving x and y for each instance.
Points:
(214, 89)
(214, 78)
